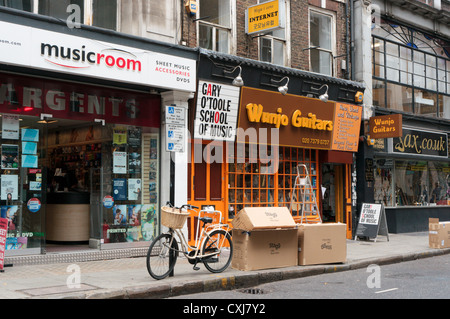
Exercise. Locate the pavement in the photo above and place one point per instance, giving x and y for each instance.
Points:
(127, 278)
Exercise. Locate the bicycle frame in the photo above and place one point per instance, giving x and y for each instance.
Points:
(201, 235)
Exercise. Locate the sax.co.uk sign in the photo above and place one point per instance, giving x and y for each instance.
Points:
(416, 142)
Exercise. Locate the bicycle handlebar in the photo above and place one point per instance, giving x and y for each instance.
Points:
(188, 206)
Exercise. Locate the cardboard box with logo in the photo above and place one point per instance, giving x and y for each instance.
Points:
(264, 238)
(439, 233)
(322, 243)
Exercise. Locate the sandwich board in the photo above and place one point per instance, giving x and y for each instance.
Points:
(372, 222)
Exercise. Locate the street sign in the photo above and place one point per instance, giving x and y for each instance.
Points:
(175, 128)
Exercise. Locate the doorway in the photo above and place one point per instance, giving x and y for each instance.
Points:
(332, 193)
(205, 179)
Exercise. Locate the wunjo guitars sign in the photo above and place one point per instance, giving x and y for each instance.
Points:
(421, 143)
(302, 122)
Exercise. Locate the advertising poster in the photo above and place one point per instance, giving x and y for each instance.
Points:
(149, 222)
(10, 127)
(10, 156)
(120, 162)
(3, 233)
(9, 187)
(134, 189)
(120, 189)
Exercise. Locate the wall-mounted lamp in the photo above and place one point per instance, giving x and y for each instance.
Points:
(324, 97)
(237, 80)
(282, 89)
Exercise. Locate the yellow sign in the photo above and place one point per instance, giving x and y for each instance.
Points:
(263, 17)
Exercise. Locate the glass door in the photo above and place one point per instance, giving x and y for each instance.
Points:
(23, 182)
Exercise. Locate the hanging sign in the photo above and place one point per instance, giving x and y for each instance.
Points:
(372, 222)
(386, 126)
(217, 111)
(264, 17)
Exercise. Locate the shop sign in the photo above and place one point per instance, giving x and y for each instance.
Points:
(26, 96)
(3, 233)
(265, 16)
(386, 126)
(302, 122)
(416, 142)
(217, 110)
(53, 51)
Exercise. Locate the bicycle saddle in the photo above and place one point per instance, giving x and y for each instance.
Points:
(206, 219)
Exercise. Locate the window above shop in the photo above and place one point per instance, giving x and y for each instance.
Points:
(214, 25)
(99, 13)
(322, 42)
(411, 71)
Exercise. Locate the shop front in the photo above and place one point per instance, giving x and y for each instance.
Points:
(247, 143)
(82, 155)
(411, 176)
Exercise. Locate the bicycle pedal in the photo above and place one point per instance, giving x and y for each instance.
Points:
(196, 268)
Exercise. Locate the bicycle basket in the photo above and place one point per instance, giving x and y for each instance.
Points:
(172, 217)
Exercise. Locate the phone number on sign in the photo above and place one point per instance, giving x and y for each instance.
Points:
(315, 141)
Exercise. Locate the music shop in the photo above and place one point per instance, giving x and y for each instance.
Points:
(271, 134)
(81, 153)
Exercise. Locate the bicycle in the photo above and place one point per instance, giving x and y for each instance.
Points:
(212, 247)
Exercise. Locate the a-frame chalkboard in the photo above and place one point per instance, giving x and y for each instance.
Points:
(372, 222)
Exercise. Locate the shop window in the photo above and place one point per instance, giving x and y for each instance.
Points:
(25, 5)
(411, 183)
(254, 180)
(322, 42)
(215, 25)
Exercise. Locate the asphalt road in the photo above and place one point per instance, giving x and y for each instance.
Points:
(427, 278)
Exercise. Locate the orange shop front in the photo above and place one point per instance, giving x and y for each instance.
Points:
(275, 133)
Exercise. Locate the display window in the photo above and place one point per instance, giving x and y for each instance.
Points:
(78, 163)
(266, 178)
(411, 183)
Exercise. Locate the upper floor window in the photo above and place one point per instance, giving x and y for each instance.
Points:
(321, 42)
(214, 26)
(25, 5)
(411, 71)
(99, 13)
(272, 45)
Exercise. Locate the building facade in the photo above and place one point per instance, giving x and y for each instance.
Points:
(285, 55)
(83, 139)
(408, 46)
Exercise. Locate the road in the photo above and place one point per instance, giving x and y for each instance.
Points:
(427, 278)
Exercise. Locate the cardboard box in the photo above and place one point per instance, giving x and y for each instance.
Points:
(264, 249)
(439, 233)
(322, 243)
(263, 238)
(257, 218)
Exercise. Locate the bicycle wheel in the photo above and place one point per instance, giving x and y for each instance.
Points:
(218, 242)
(160, 258)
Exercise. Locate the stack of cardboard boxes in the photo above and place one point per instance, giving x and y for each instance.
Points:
(439, 233)
(268, 237)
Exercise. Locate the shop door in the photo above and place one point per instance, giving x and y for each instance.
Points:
(206, 180)
(23, 183)
(333, 197)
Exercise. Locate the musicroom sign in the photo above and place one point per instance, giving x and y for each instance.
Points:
(217, 110)
(53, 51)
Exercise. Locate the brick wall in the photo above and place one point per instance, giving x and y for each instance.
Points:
(247, 45)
